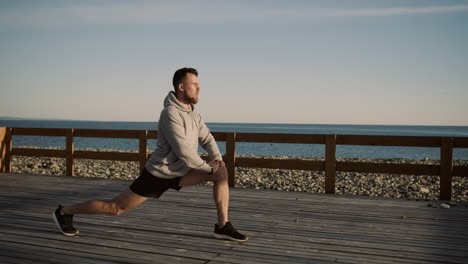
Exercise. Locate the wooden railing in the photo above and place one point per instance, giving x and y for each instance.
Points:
(330, 165)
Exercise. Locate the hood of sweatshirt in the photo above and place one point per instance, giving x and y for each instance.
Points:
(171, 100)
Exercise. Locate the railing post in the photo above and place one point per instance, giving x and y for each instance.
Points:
(143, 148)
(446, 167)
(330, 163)
(231, 157)
(70, 150)
(5, 149)
(2, 148)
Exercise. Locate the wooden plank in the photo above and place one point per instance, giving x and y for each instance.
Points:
(114, 242)
(460, 142)
(230, 157)
(461, 171)
(335, 218)
(10, 257)
(132, 230)
(284, 237)
(126, 251)
(291, 164)
(152, 134)
(143, 149)
(71, 256)
(44, 257)
(57, 153)
(390, 168)
(259, 258)
(281, 138)
(268, 206)
(219, 136)
(132, 221)
(284, 226)
(402, 141)
(136, 219)
(105, 155)
(56, 132)
(330, 163)
(446, 165)
(69, 149)
(107, 133)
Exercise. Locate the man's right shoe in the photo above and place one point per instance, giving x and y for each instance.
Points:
(228, 232)
(64, 222)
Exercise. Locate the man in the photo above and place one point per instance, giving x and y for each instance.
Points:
(174, 164)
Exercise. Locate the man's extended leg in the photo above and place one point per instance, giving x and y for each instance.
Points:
(125, 201)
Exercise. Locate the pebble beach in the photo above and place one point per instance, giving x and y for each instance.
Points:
(349, 183)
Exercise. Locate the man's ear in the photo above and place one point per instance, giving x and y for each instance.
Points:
(180, 87)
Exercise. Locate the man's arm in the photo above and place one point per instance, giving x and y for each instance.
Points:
(171, 125)
(207, 141)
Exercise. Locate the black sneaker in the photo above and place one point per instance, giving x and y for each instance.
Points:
(229, 232)
(64, 222)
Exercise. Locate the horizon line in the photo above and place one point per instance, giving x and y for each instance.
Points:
(7, 118)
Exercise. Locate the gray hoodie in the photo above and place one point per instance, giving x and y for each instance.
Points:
(180, 130)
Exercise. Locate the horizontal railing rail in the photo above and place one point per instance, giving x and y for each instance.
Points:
(446, 170)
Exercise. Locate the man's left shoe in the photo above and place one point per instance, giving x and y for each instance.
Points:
(229, 232)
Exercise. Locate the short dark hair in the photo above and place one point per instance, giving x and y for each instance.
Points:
(180, 74)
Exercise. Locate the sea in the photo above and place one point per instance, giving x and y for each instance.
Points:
(266, 149)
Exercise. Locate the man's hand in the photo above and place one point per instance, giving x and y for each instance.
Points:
(221, 163)
(215, 165)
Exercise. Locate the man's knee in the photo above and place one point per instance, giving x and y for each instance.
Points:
(116, 209)
(221, 174)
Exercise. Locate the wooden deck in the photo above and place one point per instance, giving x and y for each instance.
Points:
(284, 227)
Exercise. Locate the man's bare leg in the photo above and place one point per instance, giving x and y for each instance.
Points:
(63, 216)
(221, 195)
(223, 229)
(125, 201)
(220, 189)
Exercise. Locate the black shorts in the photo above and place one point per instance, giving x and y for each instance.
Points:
(148, 185)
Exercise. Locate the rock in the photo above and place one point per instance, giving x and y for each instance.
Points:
(445, 206)
(414, 187)
(424, 190)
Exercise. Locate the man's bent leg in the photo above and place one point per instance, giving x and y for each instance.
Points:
(220, 189)
(221, 195)
(224, 229)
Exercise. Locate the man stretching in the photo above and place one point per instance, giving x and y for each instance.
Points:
(174, 164)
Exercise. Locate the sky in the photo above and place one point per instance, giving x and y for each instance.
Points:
(304, 62)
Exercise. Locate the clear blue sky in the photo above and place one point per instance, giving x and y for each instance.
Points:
(316, 62)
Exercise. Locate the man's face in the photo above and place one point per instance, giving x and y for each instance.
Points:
(191, 88)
